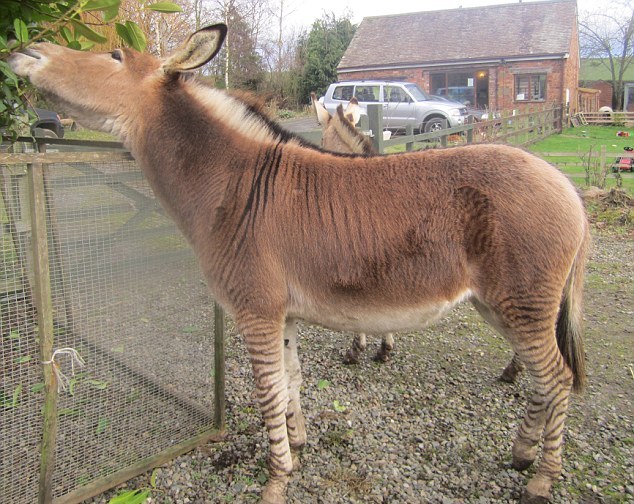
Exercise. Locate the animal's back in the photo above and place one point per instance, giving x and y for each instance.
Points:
(397, 228)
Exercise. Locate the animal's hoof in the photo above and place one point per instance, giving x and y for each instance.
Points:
(508, 376)
(521, 464)
(350, 358)
(382, 357)
(528, 498)
(297, 463)
(274, 492)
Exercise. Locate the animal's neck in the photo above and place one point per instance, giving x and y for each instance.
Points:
(186, 156)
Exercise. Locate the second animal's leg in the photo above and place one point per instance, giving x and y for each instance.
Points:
(387, 346)
(358, 346)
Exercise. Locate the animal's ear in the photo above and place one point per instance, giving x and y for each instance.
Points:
(320, 111)
(353, 111)
(197, 50)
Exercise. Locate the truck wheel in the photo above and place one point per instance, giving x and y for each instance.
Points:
(434, 124)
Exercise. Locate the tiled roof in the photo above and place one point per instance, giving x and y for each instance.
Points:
(498, 31)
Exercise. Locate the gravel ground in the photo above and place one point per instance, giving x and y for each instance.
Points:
(433, 425)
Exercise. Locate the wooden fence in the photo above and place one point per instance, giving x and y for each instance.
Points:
(508, 127)
(594, 166)
(603, 118)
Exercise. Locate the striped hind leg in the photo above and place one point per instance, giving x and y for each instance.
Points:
(264, 341)
(545, 415)
(295, 423)
(535, 345)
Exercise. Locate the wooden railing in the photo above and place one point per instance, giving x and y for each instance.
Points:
(601, 158)
(509, 127)
(603, 118)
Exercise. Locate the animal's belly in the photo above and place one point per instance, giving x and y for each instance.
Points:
(378, 320)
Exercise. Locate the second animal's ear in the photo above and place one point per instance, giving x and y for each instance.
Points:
(353, 111)
(197, 50)
(320, 111)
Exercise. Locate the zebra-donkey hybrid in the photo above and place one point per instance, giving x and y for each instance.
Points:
(383, 243)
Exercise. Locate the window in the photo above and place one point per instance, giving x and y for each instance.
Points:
(395, 94)
(469, 88)
(367, 93)
(343, 93)
(530, 87)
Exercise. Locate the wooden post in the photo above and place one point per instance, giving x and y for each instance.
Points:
(375, 119)
(443, 139)
(470, 130)
(44, 303)
(219, 367)
(409, 131)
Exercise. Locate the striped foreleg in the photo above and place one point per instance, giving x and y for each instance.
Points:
(265, 343)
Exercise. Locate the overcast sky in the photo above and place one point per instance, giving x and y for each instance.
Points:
(303, 13)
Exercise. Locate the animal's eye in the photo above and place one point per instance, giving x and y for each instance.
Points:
(116, 54)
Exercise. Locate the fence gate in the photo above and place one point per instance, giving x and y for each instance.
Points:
(92, 271)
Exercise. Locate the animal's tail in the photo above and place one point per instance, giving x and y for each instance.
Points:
(569, 321)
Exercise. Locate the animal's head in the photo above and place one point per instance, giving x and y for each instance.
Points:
(338, 132)
(103, 90)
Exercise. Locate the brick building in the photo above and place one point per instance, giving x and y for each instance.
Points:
(498, 57)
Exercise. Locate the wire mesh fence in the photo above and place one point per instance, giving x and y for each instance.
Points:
(126, 294)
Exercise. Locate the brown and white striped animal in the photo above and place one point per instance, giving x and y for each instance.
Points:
(283, 232)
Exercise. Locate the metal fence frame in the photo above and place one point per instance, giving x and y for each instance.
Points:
(36, 168)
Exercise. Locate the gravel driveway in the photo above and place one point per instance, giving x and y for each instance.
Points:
(433, 425)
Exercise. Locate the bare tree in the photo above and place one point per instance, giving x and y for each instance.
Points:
(163, 32)
(608, 36)
(239, 63)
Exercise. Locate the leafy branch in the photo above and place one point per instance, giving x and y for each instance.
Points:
(75, 23)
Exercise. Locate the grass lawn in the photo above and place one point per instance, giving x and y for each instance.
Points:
(581, 141)
(85, 134)
(582, 138)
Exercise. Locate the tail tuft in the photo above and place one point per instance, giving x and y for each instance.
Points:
(569, 329)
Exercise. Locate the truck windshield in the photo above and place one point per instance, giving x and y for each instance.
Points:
(416, 92)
